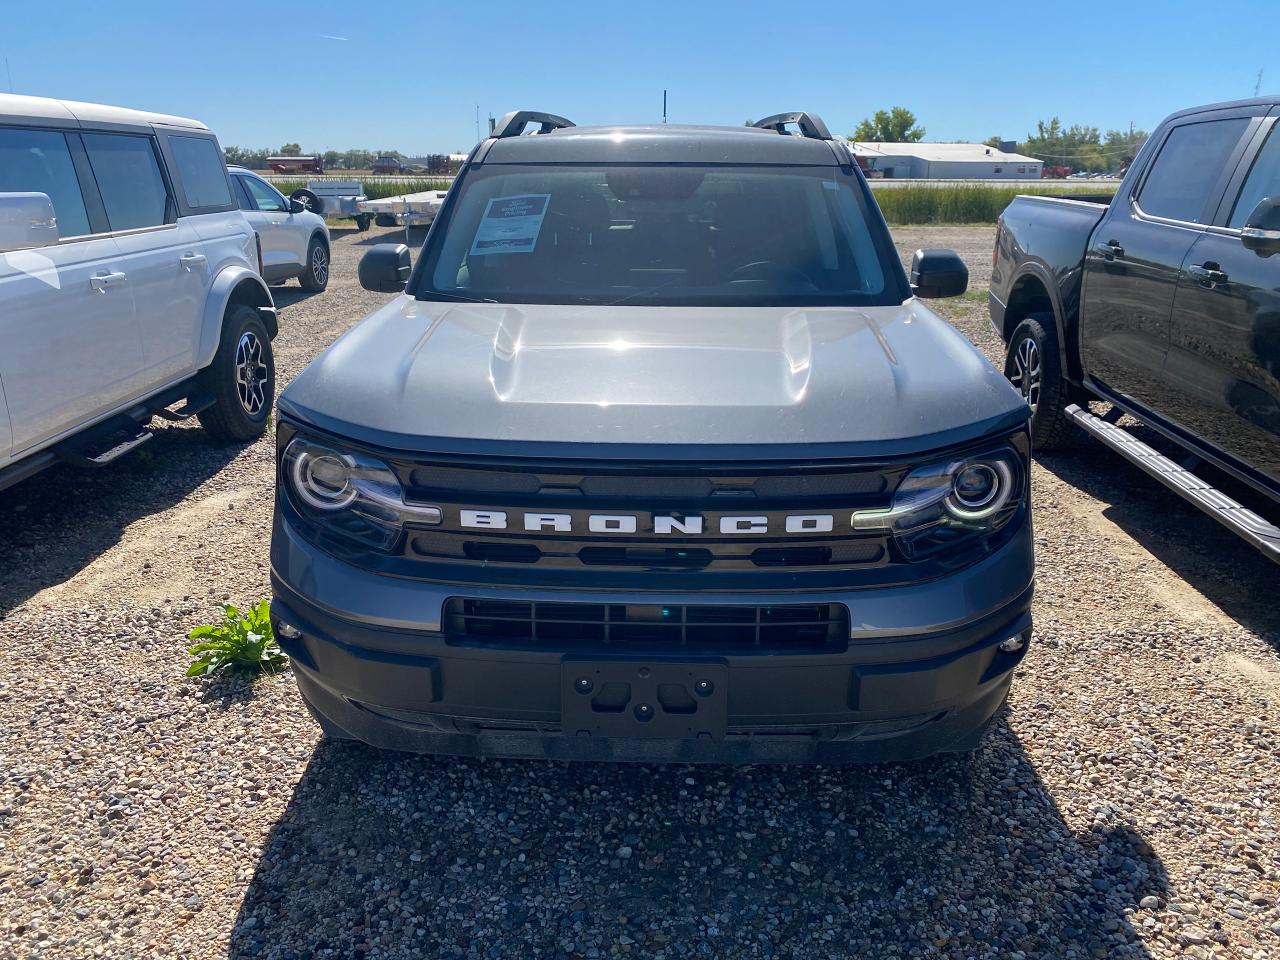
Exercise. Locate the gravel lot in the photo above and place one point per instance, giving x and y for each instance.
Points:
(1125, 807)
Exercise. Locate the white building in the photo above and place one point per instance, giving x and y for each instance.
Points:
(945, 161)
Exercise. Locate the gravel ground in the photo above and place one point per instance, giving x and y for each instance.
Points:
(1124, 807)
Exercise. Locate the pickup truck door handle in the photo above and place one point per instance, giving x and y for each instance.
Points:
(1208, 274)
(193, 260)
(104, 281)
(1112, 249)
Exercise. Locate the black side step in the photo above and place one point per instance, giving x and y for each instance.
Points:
(196, 403)
(1238, 519)
(123, 433)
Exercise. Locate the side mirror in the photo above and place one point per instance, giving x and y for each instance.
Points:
(296, 205)
(1261, 232)
(385, 268)
(938, 273)
(27, 220)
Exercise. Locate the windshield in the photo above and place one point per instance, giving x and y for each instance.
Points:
(661, 235)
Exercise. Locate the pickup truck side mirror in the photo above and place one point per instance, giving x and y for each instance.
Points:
(1261, 232)
(938, 273)
(26, 221)
(385, 268)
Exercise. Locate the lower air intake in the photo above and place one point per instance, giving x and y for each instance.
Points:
(647, 628)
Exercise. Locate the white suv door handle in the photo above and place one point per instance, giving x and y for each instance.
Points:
(104, 281)
(193, 260)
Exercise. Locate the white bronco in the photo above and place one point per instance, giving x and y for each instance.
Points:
(130, 282)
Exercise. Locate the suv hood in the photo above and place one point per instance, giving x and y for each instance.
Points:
(664, 382)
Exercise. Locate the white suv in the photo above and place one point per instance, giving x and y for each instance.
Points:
(295, 241)
(129, 282)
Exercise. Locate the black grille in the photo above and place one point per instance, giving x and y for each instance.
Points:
(574, 553)
(647, 628)
(562, 553)
(662, 484)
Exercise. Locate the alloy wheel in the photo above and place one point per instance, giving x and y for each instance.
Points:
(320, 265)
(1026, 372)
(251, 374)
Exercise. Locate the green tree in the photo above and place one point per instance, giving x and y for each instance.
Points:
(896, 125)
(1122, 147)
(1078, 146)
(332, 159)
(357, 159)
(254, 159)
(993, 142)
(291, 150)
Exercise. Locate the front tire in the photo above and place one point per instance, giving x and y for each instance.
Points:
(1033, 364)
(316, 276)
(241, 379)
(362, 222)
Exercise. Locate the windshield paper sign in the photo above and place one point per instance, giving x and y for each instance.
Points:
(510, 224)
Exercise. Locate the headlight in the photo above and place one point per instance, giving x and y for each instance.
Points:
(350, 494)
(942, 504)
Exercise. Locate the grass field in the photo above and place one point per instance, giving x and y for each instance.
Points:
(980, 203)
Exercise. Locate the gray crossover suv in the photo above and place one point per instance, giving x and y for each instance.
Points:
(657, 456)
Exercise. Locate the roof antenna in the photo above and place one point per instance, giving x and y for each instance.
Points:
(9, 74)
(1257, 87)
(664, 106)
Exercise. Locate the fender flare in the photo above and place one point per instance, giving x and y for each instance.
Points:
(1042, 275)
(233, 284)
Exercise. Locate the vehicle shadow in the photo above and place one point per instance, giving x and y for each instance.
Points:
(1228, 572)
(56, 523)
(292, 295)
(957, 856)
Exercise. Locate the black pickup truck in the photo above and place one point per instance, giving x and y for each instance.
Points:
(1164, 302)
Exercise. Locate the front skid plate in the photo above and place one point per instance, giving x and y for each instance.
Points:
(685, 700)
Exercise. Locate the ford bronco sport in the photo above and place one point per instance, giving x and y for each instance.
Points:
(657, 456)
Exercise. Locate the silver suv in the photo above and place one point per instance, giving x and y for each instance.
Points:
(295, 241)
(130, 282)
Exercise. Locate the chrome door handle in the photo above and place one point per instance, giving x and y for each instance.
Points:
(1208, 274)
(104, 281)
(1111, 249)
(193, 260)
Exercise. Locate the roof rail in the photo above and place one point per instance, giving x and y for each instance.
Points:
(513, 123)
(810, 124)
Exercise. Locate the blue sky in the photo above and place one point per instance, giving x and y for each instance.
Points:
(410, 75)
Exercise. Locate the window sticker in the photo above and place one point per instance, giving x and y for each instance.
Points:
(510, 224)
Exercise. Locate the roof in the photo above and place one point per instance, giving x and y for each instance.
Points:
(661, 143)
(935, 152)
(73, 113)
(1264, 101)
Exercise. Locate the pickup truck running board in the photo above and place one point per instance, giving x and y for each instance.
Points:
(1238, 519)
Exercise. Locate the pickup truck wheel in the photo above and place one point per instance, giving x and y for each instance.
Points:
(241, 379)
(1033, 364)
(316, 276)
(362, 222)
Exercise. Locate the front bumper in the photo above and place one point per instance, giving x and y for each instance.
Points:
(923, 671)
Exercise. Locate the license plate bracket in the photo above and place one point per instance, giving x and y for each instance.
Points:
(685, 700)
